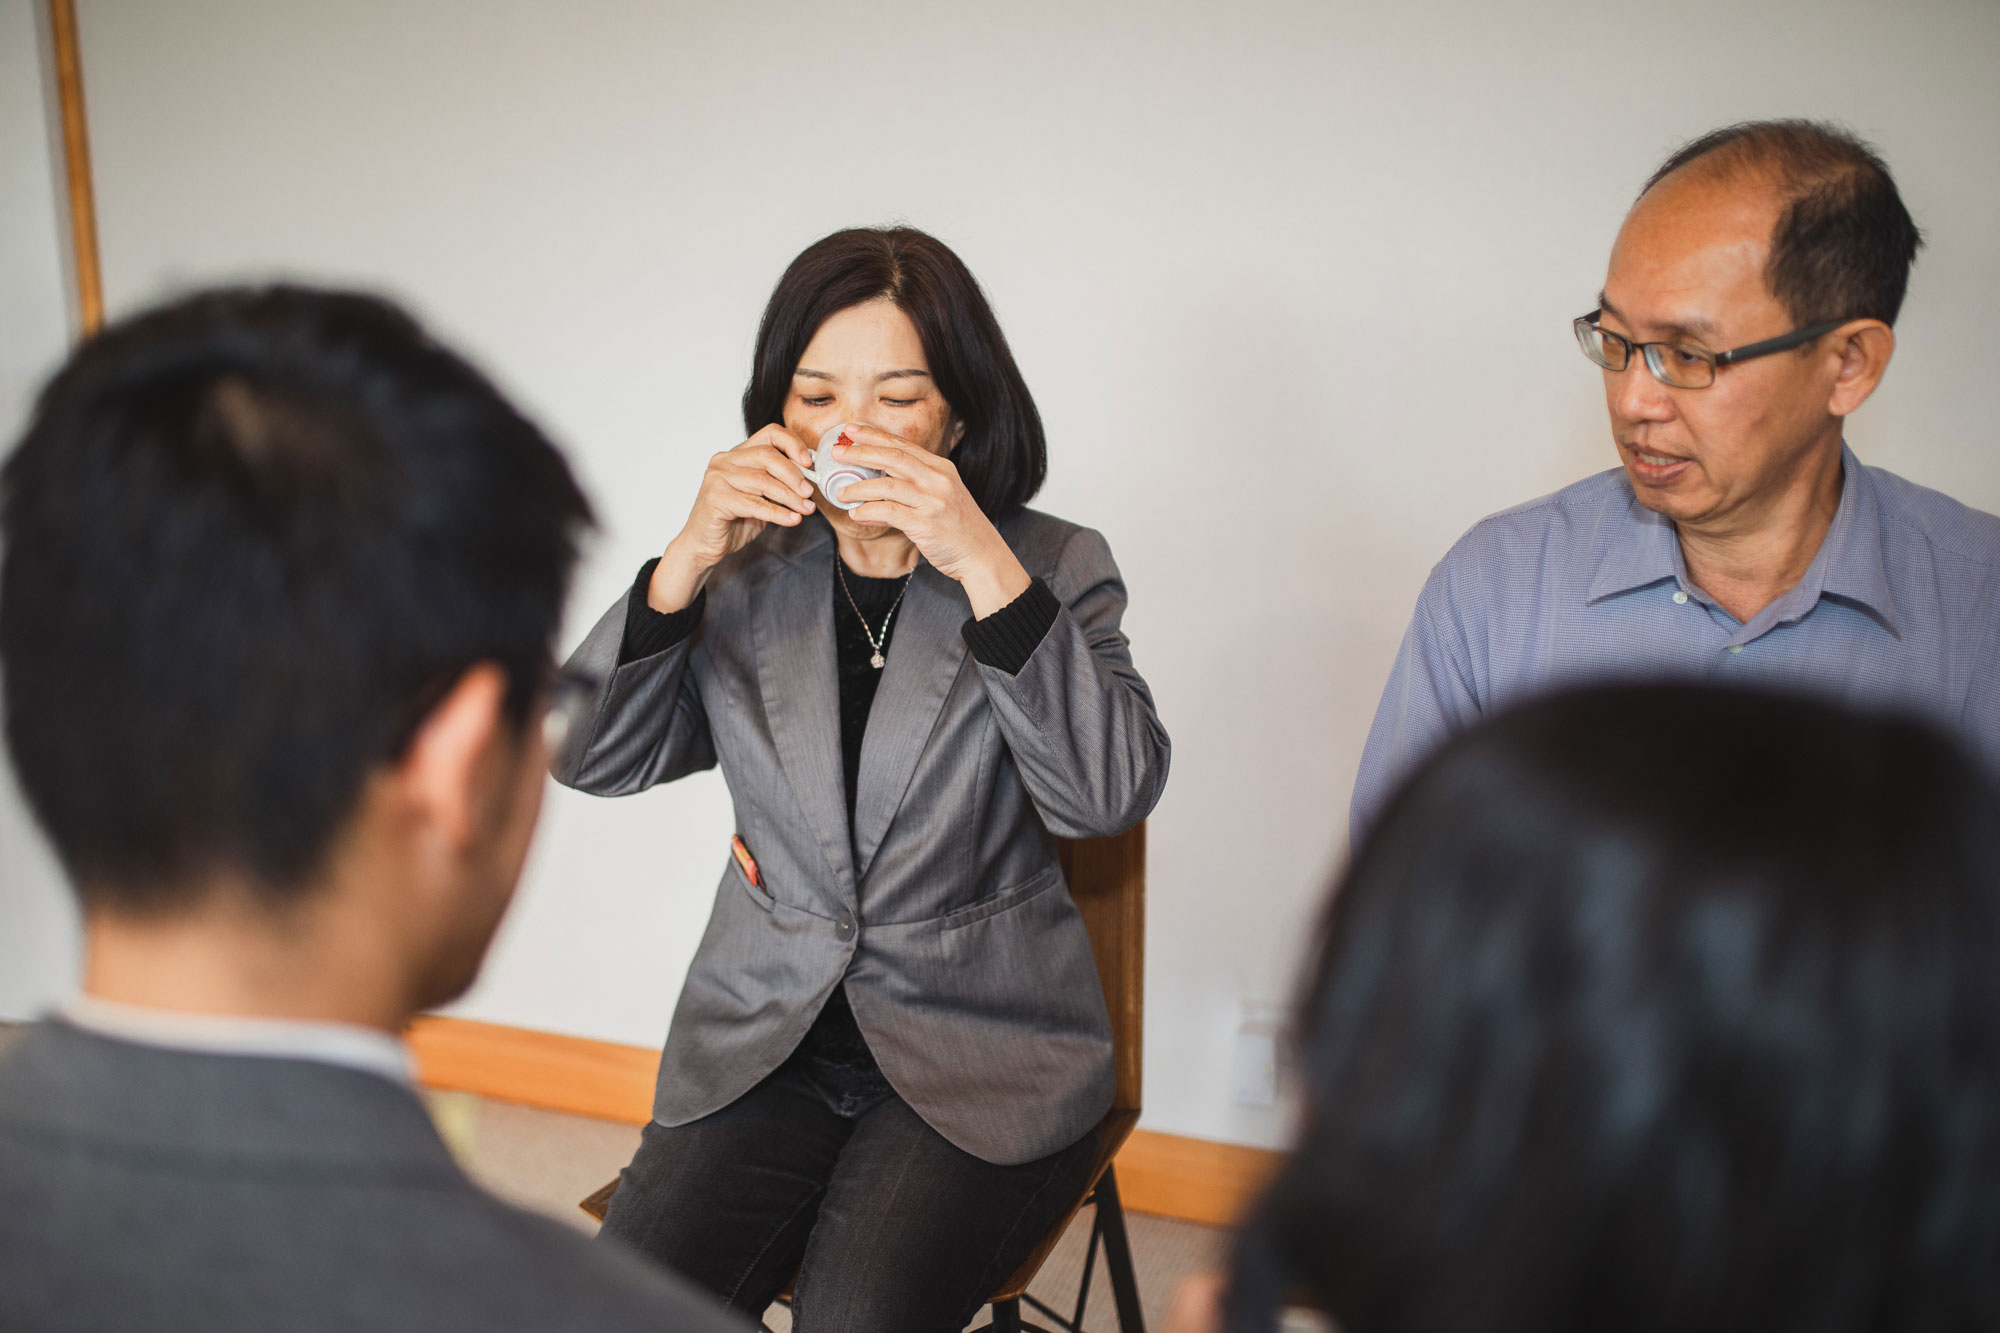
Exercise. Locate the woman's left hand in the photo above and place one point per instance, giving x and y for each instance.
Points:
(921, 495)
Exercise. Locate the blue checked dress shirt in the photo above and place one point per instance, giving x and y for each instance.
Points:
(1899, 610)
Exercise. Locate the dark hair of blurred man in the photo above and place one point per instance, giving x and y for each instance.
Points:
(281, 575)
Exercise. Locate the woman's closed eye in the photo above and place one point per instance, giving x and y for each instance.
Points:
(820, 400)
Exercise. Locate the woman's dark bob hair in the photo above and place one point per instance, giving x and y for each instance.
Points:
(1002, 456)
(1656, 1009)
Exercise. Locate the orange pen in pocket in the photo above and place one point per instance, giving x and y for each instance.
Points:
(745, 860)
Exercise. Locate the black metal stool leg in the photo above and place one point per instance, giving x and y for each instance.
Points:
(1006, 1317)
(1118, 1255)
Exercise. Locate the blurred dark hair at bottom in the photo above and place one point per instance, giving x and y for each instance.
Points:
(1654, 1008)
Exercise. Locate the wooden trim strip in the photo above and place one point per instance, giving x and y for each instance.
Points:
(601, 1079)
(76, 166)
(1196, 1180)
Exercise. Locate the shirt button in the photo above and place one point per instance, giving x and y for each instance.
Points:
(1680, 598)
(1733, 649)
(843, 927)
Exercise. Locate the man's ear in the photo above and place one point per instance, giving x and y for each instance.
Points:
(1865, 346)
(440, 773)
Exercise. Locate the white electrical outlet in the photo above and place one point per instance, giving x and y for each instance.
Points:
(1256, 1061)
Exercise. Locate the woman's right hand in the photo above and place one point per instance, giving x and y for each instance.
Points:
(760, 481)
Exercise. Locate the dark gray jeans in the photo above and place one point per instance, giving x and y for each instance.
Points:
(821, 1170)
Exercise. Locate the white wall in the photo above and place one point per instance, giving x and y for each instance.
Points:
(37, 923)
(1292, 283)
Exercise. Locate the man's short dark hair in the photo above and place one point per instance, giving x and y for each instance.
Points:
(1654, 1008)
(252, 537)
(1002, 456)
(1844, 243)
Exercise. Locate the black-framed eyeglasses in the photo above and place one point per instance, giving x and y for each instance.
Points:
(1676, 365)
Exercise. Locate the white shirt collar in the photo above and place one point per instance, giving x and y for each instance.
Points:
(346, 1044)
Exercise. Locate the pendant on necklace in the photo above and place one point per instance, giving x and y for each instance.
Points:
(878, 661)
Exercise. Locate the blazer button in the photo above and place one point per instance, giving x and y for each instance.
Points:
(843, 927)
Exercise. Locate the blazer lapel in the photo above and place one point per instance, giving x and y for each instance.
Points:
(925, 656)
(795, 670)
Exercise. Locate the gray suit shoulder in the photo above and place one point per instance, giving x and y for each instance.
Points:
(273, 1193)
(1067, 556)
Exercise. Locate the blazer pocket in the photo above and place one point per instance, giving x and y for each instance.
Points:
(757, 895)
(1005, 900)
(1023, 957)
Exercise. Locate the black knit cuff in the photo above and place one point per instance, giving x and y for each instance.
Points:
(648, 631)
(1006, 639)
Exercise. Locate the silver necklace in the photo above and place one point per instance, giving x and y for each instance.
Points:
(875, 640)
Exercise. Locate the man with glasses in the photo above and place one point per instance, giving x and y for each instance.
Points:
(1747, 311)
(280, 580)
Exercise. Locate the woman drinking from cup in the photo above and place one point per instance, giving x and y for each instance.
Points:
(891, 1053)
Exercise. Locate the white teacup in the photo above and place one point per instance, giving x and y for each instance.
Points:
(834, 477)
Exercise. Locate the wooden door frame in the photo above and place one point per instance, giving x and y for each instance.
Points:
(86, 274)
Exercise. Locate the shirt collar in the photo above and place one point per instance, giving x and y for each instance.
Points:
(1642, 548)
(1636, 548)
(1856, 565)
(345, 1044)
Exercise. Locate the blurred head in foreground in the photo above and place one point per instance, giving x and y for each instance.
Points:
(280, 579)
(1699, 1032)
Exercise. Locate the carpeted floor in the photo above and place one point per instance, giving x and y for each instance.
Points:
(547, 1161)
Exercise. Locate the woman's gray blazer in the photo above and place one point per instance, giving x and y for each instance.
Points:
(966, 963)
